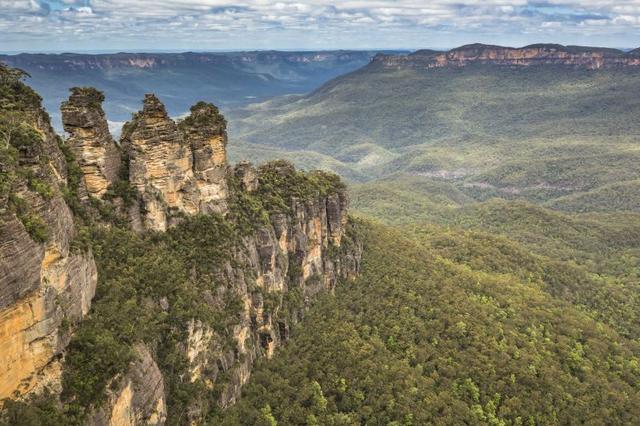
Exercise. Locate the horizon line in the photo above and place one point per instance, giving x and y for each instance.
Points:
(292, 50)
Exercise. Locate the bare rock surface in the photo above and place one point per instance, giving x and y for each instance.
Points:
(535, 54)
(89, 137)
(46, 287)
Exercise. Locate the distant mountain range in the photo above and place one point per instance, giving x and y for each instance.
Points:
(546, 123)
(534, 54)
(180, 79)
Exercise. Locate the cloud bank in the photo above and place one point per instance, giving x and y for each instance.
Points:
(260, 24)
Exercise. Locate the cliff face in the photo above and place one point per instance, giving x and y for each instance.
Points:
(139, 398)
(293, 255)
(537, 54)
(274, 239)
(46, 285)
(205, 132)
(272, 273)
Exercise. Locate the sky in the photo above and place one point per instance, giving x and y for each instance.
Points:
(209, 25)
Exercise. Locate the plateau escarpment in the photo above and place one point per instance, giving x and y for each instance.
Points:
(200, 268)
(535, 54)
(547, 124)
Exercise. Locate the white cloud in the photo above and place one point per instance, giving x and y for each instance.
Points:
(123, 23)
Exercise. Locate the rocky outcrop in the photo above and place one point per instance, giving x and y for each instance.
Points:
(176, 170)
(160, 165)
(139, 399)
(535, 54)
(89, 138)
(205, 130)
(285, 241)
(273, 273)
(279, 271)
(247, 176)
(46, 285)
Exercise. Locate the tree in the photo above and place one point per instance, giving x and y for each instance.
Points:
(266, 417)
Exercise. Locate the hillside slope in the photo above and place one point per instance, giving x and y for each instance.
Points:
(539, 131)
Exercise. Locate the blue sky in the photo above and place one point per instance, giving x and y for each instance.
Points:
(125, 25)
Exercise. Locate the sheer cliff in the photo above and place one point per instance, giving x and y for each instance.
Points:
(198, 268)
(535, 54)
(46, 282)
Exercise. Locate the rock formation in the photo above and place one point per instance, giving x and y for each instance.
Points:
(176, 170)
(247, 176)
(277, 264)
(90, 140)
(160, 165)
(281, 266)
(205, 130)
(535, 54)
(139, 399)
(46, 286)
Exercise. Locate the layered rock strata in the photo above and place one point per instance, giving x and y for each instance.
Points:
(46, 285)
(275, 272)
(295, 256)
(536, 54)
(176, 170)
(89, 137)
(138, 399)
(205, 130)
(173, 170)
(160, 165)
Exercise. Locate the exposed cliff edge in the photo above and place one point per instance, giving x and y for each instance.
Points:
(201, 268)
(535, 54)
(46, 284)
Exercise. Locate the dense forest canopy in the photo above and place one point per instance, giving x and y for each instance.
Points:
(449, 328)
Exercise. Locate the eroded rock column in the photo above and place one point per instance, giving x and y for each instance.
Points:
(206, 132)
(89, 138)
(160, 165)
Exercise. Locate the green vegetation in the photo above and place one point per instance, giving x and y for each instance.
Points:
(500, 281)
(280, 184)
(433, 331)
(41, 411)
(591, 260)
(152, 285)
(544, 134)
(407, 199)
(136, 272)
(21, 146)
(32, 222)
(613, 197)
(204, 114)
(606, 296)
(93, 96)
(507, 292)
